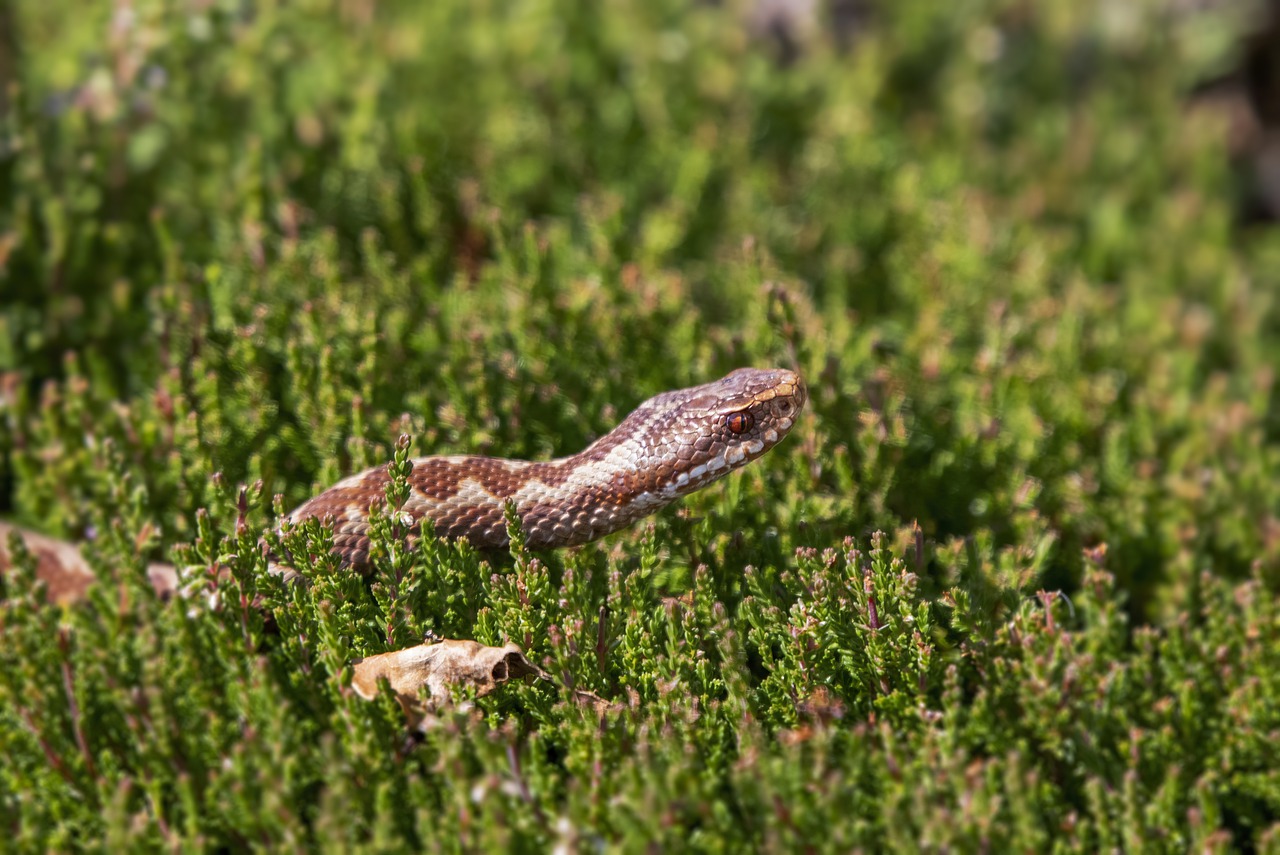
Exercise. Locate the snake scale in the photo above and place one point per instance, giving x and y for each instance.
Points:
(671, 445)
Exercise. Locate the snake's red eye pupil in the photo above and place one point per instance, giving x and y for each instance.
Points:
(739, 422)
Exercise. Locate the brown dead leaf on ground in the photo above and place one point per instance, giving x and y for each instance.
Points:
(62, 568)
(444, 664)
(440, 666)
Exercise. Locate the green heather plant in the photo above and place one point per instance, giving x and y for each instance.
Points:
(1010, 584)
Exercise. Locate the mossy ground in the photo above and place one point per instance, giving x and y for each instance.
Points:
(1010, 584)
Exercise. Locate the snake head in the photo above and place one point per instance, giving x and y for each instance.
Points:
(694, 436)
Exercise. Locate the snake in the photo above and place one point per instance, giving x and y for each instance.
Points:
(673, 444)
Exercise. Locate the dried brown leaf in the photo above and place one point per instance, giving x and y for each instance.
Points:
(440, 666)
(65, 573)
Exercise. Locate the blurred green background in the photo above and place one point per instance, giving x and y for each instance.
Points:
(1018, 250)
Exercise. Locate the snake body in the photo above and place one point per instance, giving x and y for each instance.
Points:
(671, 445)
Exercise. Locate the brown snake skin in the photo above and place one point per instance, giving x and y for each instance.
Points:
(669, 446)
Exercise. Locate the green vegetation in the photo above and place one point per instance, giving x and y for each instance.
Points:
(1010, 584)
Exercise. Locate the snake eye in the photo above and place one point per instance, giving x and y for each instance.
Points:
(739, 422)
